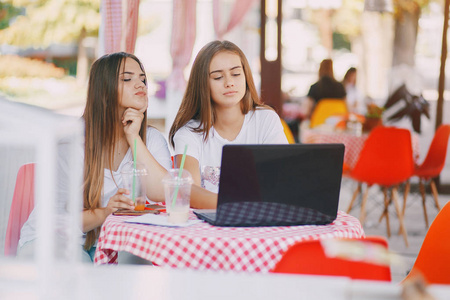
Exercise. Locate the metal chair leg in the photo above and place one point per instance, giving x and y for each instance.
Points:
(362, 215)
(422, 192)
(405, 196)
(435, 194)
(386, 204)
(355, 194)
(399, 215)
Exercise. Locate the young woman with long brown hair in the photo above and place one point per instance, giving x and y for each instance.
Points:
(115, 120)
(220, 106)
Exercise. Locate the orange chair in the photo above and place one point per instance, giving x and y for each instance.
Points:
(342, 124)
(386, 160)
(21, 207)
(326, 108)
(288, 132)
(310, 258)
(433, 260)
(432, 166)
(345, 169)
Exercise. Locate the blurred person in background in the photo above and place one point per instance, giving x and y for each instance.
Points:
(325, 87)
(355, 101)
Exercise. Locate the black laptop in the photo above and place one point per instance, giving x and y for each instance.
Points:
(277, 185)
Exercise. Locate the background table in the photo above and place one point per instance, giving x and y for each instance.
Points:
(202, 246)
(353, 143)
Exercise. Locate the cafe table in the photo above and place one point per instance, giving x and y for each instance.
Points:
(352, 140)
(206, 247)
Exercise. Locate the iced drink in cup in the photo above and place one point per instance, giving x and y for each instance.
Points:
(134, 180)
(177, 191)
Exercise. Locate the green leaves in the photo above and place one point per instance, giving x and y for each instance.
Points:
(51, 21)
(7, 12)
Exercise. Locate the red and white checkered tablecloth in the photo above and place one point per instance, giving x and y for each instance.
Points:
(202, 246)
(353, 143)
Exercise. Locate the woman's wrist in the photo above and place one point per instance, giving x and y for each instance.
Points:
(105, 211)
(131, 138)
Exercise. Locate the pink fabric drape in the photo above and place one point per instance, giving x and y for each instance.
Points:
(238, 12)
(120, 35)
(182, 42)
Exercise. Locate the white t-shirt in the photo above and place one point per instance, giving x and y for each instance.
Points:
(262, 126)
(156, 144)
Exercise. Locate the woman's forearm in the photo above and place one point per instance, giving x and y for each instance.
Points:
(202, 198)
(94, 218)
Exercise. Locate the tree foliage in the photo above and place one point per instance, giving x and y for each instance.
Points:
(346, 19)
(51, 21)
(410, 6)
(7, 12)
(16, 66)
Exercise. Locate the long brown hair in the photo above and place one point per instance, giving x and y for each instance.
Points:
(197, 102)
(347, 75)
(102, 125)
(326, 68)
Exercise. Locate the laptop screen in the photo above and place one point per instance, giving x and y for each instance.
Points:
(271, 185)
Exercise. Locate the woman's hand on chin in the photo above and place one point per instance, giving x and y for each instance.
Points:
(132, 120)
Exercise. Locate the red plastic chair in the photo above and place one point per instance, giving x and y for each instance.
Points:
(432, 166)
(21, 207)
(386, 160)
(433, 260)
(309, 258)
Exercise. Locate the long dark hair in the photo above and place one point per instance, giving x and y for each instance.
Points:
(102, 120)
(197, 102)
(326, 68)
(347, 75)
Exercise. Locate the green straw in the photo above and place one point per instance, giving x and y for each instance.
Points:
(133, 195)
(179, 175)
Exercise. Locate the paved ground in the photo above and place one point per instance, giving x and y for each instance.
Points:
(414, 222)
